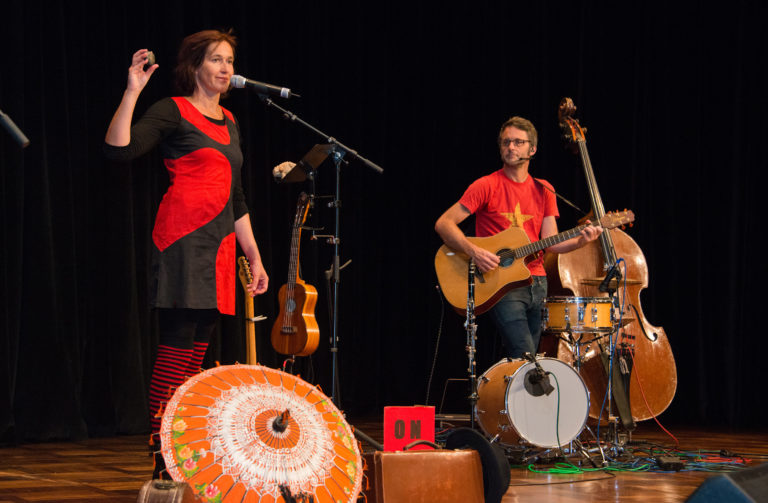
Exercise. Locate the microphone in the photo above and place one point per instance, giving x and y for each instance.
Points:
(521, 160)
(612, 272)
(260, 87)
(536, 381)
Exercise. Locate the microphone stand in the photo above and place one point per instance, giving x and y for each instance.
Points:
(18, 136)
(337, 151)
(471, 328)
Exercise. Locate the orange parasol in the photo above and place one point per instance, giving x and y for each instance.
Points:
(250, 433)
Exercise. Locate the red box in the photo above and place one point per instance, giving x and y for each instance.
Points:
(403, 425)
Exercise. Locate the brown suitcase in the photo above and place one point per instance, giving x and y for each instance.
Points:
(166, 491)
(433, 476)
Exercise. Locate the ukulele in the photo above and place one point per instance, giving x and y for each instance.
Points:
(295, 331)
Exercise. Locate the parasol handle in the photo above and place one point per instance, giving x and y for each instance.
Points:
(281, 421)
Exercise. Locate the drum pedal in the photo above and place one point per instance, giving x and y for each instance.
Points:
(669, 463)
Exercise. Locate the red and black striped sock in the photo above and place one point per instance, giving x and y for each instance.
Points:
(169, 373)
(197, 358)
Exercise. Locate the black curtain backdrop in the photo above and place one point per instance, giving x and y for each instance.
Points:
(672, 95)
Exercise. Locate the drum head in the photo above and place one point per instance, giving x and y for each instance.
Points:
(548, 420)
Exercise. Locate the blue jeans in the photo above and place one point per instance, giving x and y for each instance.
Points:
(518, 317)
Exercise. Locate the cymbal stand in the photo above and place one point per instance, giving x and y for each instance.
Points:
(471, 327)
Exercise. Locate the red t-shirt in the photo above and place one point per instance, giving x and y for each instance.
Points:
(498, 203)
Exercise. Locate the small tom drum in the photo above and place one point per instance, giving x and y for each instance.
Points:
(579, 314)
(508, 407)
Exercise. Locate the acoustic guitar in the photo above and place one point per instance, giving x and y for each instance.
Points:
(244, 273)
(515, 250)
(295, 331)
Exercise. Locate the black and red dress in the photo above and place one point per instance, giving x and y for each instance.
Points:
(194, 233)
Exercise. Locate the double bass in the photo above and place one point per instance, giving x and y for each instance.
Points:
(652, 379)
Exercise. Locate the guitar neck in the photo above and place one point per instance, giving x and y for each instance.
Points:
(302, 207)
(250, 332)
(537, 246)
(293, 265)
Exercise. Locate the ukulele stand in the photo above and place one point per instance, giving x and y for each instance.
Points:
(290, 360)
(337, 150)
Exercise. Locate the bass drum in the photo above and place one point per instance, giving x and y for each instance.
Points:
(507, 407)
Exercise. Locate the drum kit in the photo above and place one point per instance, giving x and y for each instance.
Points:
(516, 404)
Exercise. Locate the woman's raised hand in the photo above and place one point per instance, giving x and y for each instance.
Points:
(137, 76)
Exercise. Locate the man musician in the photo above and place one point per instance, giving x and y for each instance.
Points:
(511, 197)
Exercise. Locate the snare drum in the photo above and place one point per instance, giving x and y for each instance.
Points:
(507, 408)
(580, 314)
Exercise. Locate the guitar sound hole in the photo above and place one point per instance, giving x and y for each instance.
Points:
(507, 259)
(290, 305)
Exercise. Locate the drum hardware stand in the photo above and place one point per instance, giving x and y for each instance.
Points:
(613, 436)
(471, 328)
(578, 361)
(622, 400)
(585, 453)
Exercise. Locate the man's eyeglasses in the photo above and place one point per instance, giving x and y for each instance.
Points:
(516, 142)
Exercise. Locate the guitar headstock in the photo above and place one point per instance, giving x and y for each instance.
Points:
(244, 273)
(617, 219)
(302, 208)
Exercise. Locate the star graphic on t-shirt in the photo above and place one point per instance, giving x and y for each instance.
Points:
(517, 218)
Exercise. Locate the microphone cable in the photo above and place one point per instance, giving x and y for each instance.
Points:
(437, 342)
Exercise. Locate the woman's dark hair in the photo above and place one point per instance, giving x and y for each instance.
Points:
(191, 56)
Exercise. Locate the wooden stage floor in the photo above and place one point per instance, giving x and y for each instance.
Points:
(114, 469)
